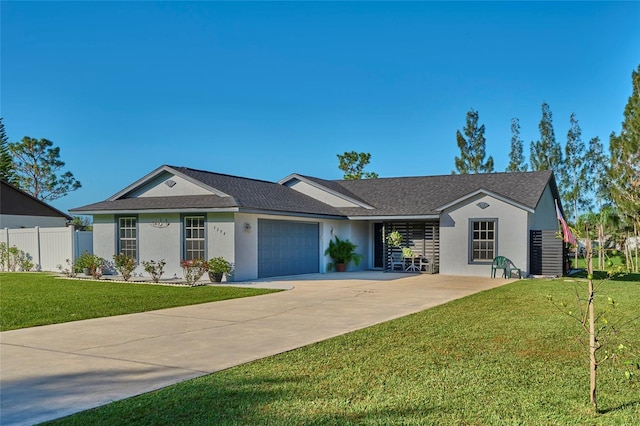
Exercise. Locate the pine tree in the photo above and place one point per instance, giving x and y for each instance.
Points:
(546, 153)
(624, 170)
(575, 170)
(353, 163)
(472, 149)
(516, 155)
(37, 166)
(596, 181)
(6, 161)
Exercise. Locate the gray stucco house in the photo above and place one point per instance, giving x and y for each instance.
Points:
(458, 223)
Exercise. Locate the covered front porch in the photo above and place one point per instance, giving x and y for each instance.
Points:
(422, 237)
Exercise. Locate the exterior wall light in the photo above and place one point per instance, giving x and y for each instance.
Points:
(247, 227)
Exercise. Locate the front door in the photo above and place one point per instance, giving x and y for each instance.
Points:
(378, 245)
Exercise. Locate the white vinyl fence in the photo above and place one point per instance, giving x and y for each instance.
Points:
(49, 247)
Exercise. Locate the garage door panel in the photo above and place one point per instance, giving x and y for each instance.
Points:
(287, 248)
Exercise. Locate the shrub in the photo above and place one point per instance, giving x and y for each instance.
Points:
(4, 257)
(69, 271)
(155, 269)
(124, 265)
(24, 260)
(13, 259)
(193, 269)
(92, 263)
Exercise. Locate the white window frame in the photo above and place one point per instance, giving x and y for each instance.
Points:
(130, 237)
(188, 229)
(483, 242)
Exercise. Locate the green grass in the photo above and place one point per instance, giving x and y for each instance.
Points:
(617, 260)
(500, 357)
(31, 299)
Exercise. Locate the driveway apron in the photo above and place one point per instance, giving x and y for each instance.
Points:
(52, 371)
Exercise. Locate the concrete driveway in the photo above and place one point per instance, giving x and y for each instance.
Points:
(53, 371)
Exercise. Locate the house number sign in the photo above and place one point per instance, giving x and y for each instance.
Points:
(162, 223)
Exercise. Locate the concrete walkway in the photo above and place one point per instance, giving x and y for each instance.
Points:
(52, 371)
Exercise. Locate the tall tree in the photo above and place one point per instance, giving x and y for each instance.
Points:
(516, 155)
(546, 153)
(472, 149)
(6, 162)
(624, 170)
(596, 184)
(353, 164)
(575, 170)
(38, 169)
(597, 168)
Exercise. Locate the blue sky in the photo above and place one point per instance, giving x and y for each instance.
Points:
(266, 89)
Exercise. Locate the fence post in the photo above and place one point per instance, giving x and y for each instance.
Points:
(39, 256)
(74, 243)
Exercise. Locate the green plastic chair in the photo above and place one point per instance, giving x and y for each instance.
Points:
(507, 266)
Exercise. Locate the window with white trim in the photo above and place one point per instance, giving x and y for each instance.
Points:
(128, 236)
(483, 240)
(194, 237)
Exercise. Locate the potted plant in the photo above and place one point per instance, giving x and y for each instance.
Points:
(342, 252)
(96, 266)
(218, 266)
(83, 263)
(90, 264)
(394, 239)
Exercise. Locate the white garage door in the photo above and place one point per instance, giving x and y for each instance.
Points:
(287, 248)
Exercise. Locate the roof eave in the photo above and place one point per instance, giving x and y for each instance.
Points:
(396, 217)
(154, 211)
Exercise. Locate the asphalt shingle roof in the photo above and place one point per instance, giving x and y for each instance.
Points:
(406, 196)
(259, 194)
(243, 193)
(403, 196)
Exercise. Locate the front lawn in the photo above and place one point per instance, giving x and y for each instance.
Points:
(617, 260)
(500, 357)
(30, 299)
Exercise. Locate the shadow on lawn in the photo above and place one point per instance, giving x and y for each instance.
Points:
(620, 407)
(247, 399)
(601, 275)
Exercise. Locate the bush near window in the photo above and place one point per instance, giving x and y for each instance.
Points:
(124, 265)
(193, 269)
(155, 269)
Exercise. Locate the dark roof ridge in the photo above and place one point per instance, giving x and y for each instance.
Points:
(432, 176)
(182, 168)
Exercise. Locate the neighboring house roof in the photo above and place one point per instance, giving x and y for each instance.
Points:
(19, 203)
(383, 197)
(227, 192)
